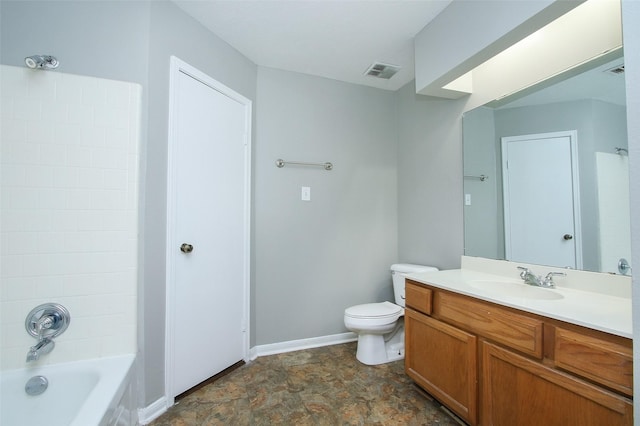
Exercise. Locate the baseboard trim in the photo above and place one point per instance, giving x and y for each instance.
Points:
(151, 412)
(252, 355)
(296, 345)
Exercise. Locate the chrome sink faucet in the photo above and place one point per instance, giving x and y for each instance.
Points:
(537, 280)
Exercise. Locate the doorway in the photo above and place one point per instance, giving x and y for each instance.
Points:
(541, 199)
(208, 219)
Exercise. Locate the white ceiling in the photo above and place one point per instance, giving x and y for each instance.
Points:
(595, 83)
(337, 39)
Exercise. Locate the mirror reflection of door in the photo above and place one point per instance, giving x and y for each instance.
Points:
(541, 207)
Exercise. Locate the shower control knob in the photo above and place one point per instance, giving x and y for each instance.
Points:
(567, 237)
(186, 248)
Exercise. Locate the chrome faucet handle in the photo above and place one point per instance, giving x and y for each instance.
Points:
(524, 272)
(47, 320)
(44, 323)
(556, 274)
(548, 280)
(529, 277)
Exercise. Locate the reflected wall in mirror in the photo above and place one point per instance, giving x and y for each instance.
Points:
(592, 105)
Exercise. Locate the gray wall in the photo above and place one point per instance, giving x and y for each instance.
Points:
(429, 179)
(81, 35)
(315, 258)
(483, 229)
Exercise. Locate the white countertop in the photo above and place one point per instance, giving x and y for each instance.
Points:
(611, 314)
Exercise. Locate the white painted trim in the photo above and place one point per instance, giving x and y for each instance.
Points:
(577, 211)
(253, 354)
(151, 412)
(575, 176)
(297, 345)
(178, 66)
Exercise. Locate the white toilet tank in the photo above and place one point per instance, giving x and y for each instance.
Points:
(399, 271)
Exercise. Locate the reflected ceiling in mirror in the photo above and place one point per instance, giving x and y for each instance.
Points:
(588, 100)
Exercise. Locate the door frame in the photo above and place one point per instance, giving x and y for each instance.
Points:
(575, 177)
(178, 66)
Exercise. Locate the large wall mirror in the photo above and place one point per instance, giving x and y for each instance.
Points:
(546, 172)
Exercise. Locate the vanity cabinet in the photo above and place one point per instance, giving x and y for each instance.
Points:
(494, 365)
(431, 343)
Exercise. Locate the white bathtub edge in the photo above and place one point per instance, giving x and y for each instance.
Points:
(108, 390)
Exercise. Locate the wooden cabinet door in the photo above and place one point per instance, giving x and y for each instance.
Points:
(519, 391)
(442, 360)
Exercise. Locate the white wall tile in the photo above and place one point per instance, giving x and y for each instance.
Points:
(39, 176)
(93, 136)
(40, 87)
(78, 157)
(80, 114)
(13, 175)
(12, 267)
(69, 91)
(27, 109)
(52, 198)
(54, 112)
(65, 177)
(69, 216)
(21, 243)
(67, 134)
(49, 242)
(52, 155)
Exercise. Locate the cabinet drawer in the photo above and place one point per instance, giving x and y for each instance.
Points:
(418, 297)
(607, 363)
(499, 324)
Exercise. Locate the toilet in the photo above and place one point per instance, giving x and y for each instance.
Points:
(380, 326)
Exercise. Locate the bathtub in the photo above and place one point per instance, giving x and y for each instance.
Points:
(82, 393)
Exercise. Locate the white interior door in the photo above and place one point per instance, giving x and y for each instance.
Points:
(541, 205)
(208, 217)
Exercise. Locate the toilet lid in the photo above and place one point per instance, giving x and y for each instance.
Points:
(374, 310)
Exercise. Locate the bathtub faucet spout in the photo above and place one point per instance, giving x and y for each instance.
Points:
(44, 346)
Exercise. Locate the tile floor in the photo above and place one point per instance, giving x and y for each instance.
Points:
(322, 386)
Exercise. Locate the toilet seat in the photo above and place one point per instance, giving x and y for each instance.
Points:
(379, 313)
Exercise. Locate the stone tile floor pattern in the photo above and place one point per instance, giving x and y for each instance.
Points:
(321, 386)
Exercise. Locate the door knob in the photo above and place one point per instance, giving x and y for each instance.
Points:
(567, 237)
(186, 248)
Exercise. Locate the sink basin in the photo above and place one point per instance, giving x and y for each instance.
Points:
(514, 289)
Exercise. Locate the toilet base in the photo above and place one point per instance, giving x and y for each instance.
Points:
(373, 350)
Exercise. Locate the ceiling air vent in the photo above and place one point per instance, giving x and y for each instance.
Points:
(381, 70)
(618, 69)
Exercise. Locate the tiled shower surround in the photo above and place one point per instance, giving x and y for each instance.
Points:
(69, 211)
